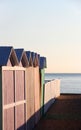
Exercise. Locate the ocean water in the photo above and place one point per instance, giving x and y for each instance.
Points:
(70, 82)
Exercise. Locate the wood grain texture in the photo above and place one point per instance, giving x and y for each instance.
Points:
(9, 63)
(20, 120)
(9, 119)
(30, 83)
(13, 87)
(19, 86)
(52, 91)
(30, 115)
(30, 93)
(1, 101)
(8, 87)
(37, 94)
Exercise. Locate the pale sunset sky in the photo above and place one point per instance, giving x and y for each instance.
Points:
(51, 28)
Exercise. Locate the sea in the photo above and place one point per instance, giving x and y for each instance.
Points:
(70, 83)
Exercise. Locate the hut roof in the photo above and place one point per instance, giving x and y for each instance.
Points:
(43, 63)
(33, 56)
(19, 53)
(7, 52)
(36, 60)
(28, 54)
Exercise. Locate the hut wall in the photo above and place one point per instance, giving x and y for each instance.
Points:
(20, 83)
(13, 98)
(30, 100)
(20, 64)
(42, 83)
(37, 94)
(1, 102)
(9, 63)
(8, 86)
(9, 119)
(19, 117)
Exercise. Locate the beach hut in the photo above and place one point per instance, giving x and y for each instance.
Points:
(30, 94)
(32, 90)
(37, 88)
(12, 93)
(42, 65)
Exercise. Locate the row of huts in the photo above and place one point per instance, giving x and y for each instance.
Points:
(22, 89)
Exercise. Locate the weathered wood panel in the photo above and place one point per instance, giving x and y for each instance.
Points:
(19, 85)
(52, 90)
(20, 117)
(9, 119)
(30, 92)
(1, 102)
(42, 82)
(37, 94)
(5, 119)
(9, 63)
(57, 87)
(30, 115)
(47, 96)
(56, 84)
(30, 83)
(14, 107)
(8, 87)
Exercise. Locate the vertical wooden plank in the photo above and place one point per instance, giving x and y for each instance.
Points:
(37, 94)
(8, 97)
(19, 85)
(20, 111)
(30, 115)
(1, 102)
(20, 121)
(42, 77)
(9, 119)
(5, 119)
(47, 97)
(57, 87)
(30, 98)
(8, 87)
(9, 63)
(29, 83)
(14, 75)
(53, 90)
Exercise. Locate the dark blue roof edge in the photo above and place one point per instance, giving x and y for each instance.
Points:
(43, 63)
(19, 53)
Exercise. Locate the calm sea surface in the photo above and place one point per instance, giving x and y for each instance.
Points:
(70, 83)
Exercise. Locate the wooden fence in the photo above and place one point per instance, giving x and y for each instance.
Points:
(51, 92)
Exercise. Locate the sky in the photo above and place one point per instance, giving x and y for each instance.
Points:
(52, 28)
